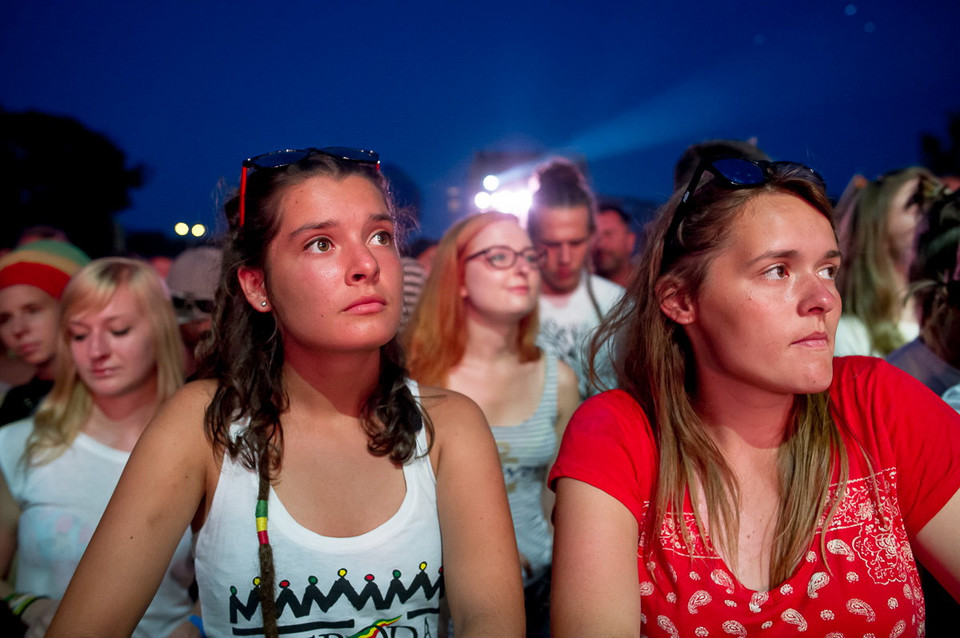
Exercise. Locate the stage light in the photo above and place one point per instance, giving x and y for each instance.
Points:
(198, 230)
(482, 200)
(491, 183)
(181, 229)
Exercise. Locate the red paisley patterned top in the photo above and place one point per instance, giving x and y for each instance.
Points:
(865, 583)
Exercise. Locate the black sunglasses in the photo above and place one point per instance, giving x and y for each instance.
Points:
(182, 303)
(503, 257)
(278, 159)
(731, 173)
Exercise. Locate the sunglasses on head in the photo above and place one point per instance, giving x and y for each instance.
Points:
(731, 173)
(279, 159)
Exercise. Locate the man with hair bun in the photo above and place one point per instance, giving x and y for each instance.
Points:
(562, 225)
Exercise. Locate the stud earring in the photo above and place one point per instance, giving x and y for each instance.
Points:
(263, 304)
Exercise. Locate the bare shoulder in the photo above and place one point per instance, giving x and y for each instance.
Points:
(449, 409)
(458, 423)
(181, 416)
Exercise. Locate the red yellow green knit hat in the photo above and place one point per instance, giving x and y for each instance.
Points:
(44, 264)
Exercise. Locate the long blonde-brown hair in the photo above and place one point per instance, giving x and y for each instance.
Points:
(63, 413)
(868, 282)
(435, 339)
(655, 364)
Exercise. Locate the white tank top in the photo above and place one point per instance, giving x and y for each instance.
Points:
(327, 587)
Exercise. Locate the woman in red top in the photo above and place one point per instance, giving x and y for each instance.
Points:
(741, 479)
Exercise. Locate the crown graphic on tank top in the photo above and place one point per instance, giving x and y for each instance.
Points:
(293, 607)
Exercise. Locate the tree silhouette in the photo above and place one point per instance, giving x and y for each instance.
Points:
(57, 172)
(943, 158)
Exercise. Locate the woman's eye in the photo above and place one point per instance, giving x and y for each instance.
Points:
(320, 245)
(77, 337)
(120, 332)
(383, 238)
(777, 272)
(829, 272)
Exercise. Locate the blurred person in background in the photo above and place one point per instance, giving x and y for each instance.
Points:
(32, 279)
(933, 358)
(121, 357)
(876, 225)
(475, 332)
(192, 282)
(562, 225)
(614, 245)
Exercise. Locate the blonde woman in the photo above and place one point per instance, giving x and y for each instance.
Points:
(60, 467)
(877, 226)
(742, 480)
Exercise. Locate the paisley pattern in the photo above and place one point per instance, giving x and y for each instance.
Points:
(864, 581)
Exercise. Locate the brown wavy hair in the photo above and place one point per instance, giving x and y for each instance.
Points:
(244, 351)
(435, 339)
(654, 362)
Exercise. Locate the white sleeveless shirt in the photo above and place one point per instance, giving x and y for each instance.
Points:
(326, 587)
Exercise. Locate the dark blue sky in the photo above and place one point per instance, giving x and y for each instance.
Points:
(191, 87)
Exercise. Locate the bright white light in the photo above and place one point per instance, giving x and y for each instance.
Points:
(516, 202)
(198, 230)
(482, 200)
(181, 229)
(491, 183)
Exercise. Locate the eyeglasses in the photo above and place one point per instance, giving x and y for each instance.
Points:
(504, 257)
(732, 173)
(184, 304)
(279, 159)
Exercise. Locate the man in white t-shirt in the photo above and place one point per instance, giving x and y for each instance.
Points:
(572, 301)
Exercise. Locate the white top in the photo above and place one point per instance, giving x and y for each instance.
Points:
(853, 338)
(567, 322)
(326, 586)
(61, 503)
(952, 396)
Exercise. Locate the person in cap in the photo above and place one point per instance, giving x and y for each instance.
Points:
(32, 278)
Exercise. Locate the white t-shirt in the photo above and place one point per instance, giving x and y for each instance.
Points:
(567, 322)
(853, 338)
(61, 503)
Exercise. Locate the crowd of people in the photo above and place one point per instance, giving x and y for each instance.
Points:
(741, 417)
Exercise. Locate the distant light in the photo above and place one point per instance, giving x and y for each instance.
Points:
(516, 202)
(181, 229)
(483, 200)
(491, 183)
(850, 9)
(198, 230)
(869, 27)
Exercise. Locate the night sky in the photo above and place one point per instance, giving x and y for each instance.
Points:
(190, 88)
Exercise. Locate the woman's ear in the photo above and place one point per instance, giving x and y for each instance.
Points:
(253, 283)
(675, 302)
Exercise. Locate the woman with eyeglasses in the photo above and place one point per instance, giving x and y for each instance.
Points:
(122, 357)
(474, 331)
(877, 224)
(741, 481)
(329, 495)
